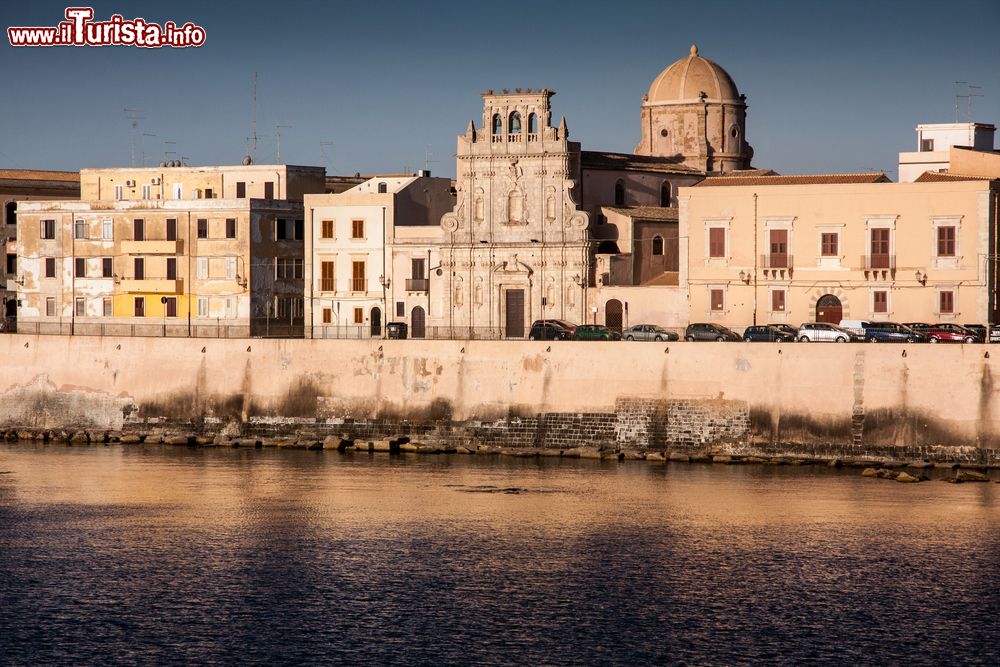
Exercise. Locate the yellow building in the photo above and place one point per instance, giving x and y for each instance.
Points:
(793, 249)
(204, 263)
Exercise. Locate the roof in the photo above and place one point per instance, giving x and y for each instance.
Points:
(686, 79)
(941, 177)
(631, 162)
(646, 212)
(39, 175)
(750, 172)
(804, 179)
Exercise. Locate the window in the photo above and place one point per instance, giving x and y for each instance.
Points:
(300, 230)
(230, 307)
(231, 268)
(140, 306)
(327, 316)
(230, 228)
(171, 268)
(119, 192)
(359, 315)
(327, 227)
(880, 249)
(202, 306)
(417, 267)
(11, 264)
(829, 242)
(717, 242)
(171, 306)
(107, 267)
(926, 145)
(946, 302)
(50, 267)
(48, 229)
(718, 300)
(241, 189)
(382, 188)
(108, 307)
(288, 230)
(178, 191)
(287, 267)
(400, 309)
(357, 229)
(208, 193)
(515, 123)
(147, 192)
(80, 267)
(326, 277)
(620, 192)
(657, 245)
(358, 282)
(532, 123)
(946, 241)
(139, 229)
(107, 230)
(497, 124)
(10, 208)
(202, 228)
(171, 229)
(80, 229)
(80, 306)
(880, 301)
(201, 267)
(50, 306)
(665, 194)
(139, 263)
(269, 190)
(778, 301)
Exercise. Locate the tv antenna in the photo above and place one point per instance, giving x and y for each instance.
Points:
(427, 157)
(958, 96)
(323, 145)
(253, 127)
(166, 153)
(134, 115)
(142, 149)
(277, 134)
(969, 95)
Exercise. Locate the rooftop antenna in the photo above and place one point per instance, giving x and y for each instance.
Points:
(323, 145)
(143, 146)
(166, 153)
(427, 157)
(958, 96)
(277, 132)
(134, 115)
(253, 132)
(969, 97)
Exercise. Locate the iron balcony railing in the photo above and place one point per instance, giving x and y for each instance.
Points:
(417, 284)
(776, 261)
(878, 262)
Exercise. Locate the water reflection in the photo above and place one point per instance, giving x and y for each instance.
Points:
(219, 556)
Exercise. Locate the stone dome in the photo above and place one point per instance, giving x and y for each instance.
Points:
(687, 78)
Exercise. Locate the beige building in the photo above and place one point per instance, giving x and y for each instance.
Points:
(372, 254)
(24, 185)
(168, 251)
(936, 144)
(793, 249)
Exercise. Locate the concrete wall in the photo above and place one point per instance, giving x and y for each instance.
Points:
(832, 398)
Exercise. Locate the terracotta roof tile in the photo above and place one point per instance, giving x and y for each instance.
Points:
(804, 179)
(646, 212)
(39, 175)
(941, 177)
(628, 161)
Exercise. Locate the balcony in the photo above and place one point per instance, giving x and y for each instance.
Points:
(151, 247)
(776, 261)
(327, 285)
(417, 284)
(878, 262)
(151, 285)
(359, 284)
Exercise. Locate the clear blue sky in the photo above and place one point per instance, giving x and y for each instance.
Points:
(832, 86)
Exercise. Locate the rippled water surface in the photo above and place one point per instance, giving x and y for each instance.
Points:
(217, 556)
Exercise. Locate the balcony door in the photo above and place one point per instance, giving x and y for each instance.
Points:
(880, 249)
(778, 249)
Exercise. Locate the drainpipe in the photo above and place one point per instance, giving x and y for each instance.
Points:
(755, 240)
(72, 276)
(189, 274)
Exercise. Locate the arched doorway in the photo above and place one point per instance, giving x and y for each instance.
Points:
(417, 323)
(376, 321)
(829, 309)
(613, 315)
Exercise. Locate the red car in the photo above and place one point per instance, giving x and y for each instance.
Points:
(948, 333)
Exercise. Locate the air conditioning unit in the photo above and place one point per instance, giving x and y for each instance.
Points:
(155, 181)
(130, 183)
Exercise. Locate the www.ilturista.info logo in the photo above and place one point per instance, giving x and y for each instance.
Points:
(80, 30)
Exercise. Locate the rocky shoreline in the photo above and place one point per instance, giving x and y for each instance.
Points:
(877, 468)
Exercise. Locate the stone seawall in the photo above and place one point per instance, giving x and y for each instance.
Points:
(832, 401)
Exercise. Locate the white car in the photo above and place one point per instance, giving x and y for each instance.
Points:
(821, 332)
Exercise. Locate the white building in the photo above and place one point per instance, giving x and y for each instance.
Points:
(370, 254)
(934, 142)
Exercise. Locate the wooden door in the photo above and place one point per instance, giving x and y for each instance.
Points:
(779, 249)
(514, 314)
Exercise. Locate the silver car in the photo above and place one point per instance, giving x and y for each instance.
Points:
(822, 332)
(648, 332)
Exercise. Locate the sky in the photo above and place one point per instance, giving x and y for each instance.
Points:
(386, 87)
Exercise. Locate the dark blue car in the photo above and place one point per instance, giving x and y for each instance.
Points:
(767, 333)
(891, 332)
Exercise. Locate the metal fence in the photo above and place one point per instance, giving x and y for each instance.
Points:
(162, 330)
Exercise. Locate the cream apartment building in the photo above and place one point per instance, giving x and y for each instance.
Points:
(137, 260)
(796, 249)
(373, 256)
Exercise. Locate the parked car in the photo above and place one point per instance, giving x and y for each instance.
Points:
(768, 334)
(891, 332)
(817, 332)
(980, 331)
(548, 330)
(786, 328)
(855, 326)
(568, 326)
(949, 333)
(595, 332)
(709, 331)
(649, 332)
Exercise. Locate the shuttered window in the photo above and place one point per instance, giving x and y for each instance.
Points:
(716, 242)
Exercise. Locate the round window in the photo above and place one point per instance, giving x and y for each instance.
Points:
(663, 133)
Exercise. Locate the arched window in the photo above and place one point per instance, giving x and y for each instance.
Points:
(657, 245)
(515, 206)
(497, 124)
(515, 123)
(532, 123)
(665, 194)
(620, 193)
(382, 188)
